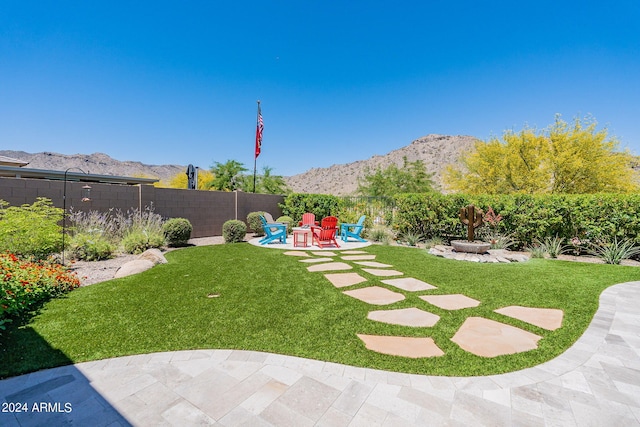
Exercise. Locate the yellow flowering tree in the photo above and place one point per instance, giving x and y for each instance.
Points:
(563, 159)
(179, 180)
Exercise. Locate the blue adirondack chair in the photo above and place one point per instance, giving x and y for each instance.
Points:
(352, 230)
(273, 231)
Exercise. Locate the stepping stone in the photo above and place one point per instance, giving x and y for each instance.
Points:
(375, 295)
(324, 253)
(546, 318)
(341, 280)
(373, 264)
(383, 273)
(314, 260)
(405, 317)
(353, 252)
(488, 338)
(296, 253)
(409, 284)
(451, 302)
(402, 346)
(329, 266)
(358, 257)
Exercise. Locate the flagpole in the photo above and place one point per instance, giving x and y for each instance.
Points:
(257, 147)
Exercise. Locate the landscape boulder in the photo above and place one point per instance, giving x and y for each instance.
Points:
(145, 261)
(154, 255)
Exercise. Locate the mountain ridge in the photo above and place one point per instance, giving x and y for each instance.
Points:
(436, 151)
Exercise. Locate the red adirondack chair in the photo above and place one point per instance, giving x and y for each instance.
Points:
(308, 219)
(325, 235)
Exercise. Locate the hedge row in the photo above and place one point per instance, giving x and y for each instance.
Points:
(589, 217)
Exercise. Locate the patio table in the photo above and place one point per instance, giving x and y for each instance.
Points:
(301, 236)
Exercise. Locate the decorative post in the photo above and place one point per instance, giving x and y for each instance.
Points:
(472, 218)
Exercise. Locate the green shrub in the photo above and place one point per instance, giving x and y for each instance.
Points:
(321, 205)
(234, 231)
(138, 241)
(142, 230)
(24, 284)
(525, 218)
(177, 231)
(31, 230)
(90, 247)
(254, 223)
(287, 220)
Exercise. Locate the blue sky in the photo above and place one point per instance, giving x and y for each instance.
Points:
(177, 82)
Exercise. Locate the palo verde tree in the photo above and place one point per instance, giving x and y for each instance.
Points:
(564, 158)
(231, 176)
(180, 180)
(412, 177)
(227, 176)
(267, 183)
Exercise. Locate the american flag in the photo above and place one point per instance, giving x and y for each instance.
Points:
(259, 128)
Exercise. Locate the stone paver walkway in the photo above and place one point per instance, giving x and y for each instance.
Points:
(594, 383)
(482, 337)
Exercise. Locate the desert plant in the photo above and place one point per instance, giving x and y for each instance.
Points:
(254, 223)
(177, 231)
(537, 250)
(500, 241)
(93, 222)
(234, 231)
(612, 252)
(142, 230)
(551, 246)
(30, 230)
(90, 247)
(433, 242)
(380, 234)
(412, 239)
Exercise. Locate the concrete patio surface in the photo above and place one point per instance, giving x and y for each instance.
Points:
(343, 246)
(594, 383)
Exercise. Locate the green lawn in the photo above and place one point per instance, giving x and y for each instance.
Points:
(269, 302)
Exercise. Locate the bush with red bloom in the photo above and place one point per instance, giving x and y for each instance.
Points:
(26, 283)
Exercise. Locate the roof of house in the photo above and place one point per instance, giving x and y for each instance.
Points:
(8, 161)
(73, 174)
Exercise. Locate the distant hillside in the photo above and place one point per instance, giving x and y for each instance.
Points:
(97, 163)
(436, 151)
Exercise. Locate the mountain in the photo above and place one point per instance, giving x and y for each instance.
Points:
(96, 163)
(436, 151)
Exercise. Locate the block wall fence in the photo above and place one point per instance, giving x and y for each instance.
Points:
(206, 210)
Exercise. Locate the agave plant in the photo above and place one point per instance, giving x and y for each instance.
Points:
(412, 239)
(537, 251)
(552, 246)
(612, 252)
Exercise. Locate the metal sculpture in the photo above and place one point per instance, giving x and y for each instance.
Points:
(472, 218)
